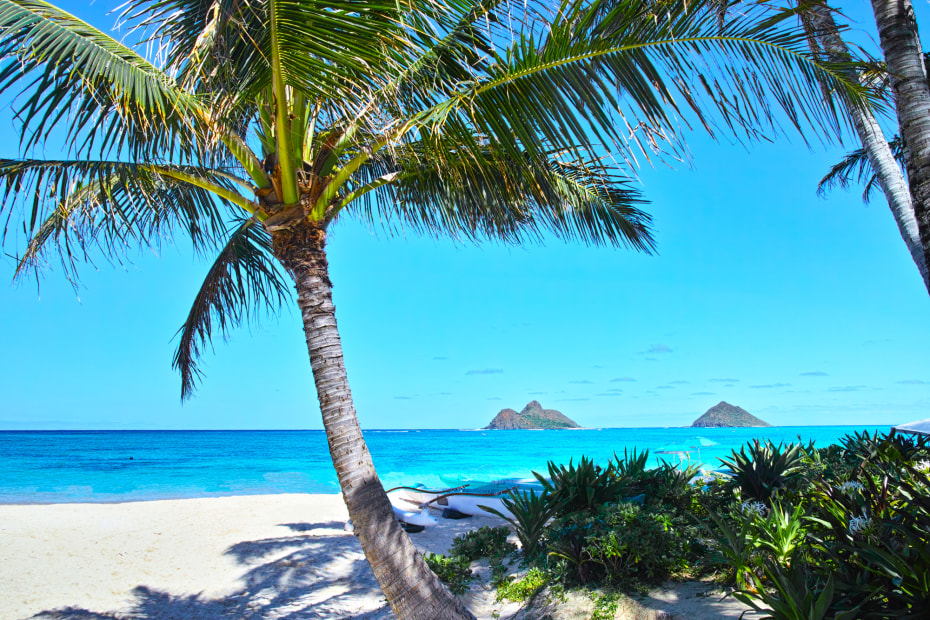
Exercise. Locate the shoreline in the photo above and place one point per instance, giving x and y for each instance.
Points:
(93, 502)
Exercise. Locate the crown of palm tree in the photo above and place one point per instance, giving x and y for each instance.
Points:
(473, 119)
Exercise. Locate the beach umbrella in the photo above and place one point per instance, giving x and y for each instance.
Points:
(703, 442)
(677, 449)
(920, 427)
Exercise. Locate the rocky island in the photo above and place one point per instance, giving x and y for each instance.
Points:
(725, 414)
(533, 416)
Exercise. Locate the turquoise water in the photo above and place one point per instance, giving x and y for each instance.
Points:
(110, 466)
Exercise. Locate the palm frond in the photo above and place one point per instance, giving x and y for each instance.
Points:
(101, 92)
(639, 71)
(856, 168)
(243, 280)
(77, 205)
(501, 198)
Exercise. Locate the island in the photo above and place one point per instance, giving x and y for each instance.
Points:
(533, 416)
(725, 414)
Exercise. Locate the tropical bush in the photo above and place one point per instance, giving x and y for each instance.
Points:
(765, 469)
(582, 488)
(856, 545)
(631, 470)
(622, 544)
(530, 512)
(453, 571)
(485, 542)
(522, 589)
(841, 532)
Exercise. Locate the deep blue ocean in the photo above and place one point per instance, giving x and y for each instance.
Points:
(115, 466)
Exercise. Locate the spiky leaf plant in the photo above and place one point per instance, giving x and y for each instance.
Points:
(764, 469)
(531, 512)
(580, 488)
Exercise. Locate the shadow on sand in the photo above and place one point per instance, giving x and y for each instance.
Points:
(321, 574)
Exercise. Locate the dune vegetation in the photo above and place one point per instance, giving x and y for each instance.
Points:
(795, 531)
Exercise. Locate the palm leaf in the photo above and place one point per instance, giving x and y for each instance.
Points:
(243, 280)
(96, 87)
(856, 168)
(496, 197)
(111, 205)
(632, 76)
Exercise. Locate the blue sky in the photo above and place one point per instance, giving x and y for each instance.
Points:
(799, 309)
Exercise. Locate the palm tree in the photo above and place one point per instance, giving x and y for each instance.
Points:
(876, 153)
(255, 125)
(900, 43)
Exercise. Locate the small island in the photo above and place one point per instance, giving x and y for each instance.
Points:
(725, 414)
(533, 416)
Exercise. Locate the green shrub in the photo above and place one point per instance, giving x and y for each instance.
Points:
(624, 544)
(854, 549)
(453, 571)
(780, 532)
(735, 550)
(485, 542)
(584, 488)
(522, 589)
(765, 470)
(606, 606)
(671, 486)
(530, 512)
(631, 469)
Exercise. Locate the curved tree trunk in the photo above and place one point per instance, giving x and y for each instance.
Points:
(822, 28)
(410, 587)
(897, 31)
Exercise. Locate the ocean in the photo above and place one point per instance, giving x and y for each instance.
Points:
(119, 466)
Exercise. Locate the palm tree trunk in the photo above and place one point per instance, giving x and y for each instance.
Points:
(822, 28)
(897, 31)
(411, 588)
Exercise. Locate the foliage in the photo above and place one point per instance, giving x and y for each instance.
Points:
(671, 485)
(485, 542)
(582, 488)
(530, 512)
(844, 533)
(887, 449)
(631, 468)
(623, 544)
(794, 599)
(734, 545)
(765, 470)
(856, 547)
(453, 571)
(606, 605)
(522, 589)
(780, 532)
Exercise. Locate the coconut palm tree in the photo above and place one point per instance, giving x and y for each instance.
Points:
(252, 126)
(876, 154)
(900, 43)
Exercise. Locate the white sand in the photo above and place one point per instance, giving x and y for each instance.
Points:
(271, 556)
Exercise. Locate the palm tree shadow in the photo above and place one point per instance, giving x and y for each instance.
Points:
(322, 574)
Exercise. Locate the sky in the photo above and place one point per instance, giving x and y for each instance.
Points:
(801, 310)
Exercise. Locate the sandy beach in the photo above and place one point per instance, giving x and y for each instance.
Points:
(270, 556)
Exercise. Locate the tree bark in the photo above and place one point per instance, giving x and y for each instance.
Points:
(897, 31)
(823, 29)
(411, 588)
